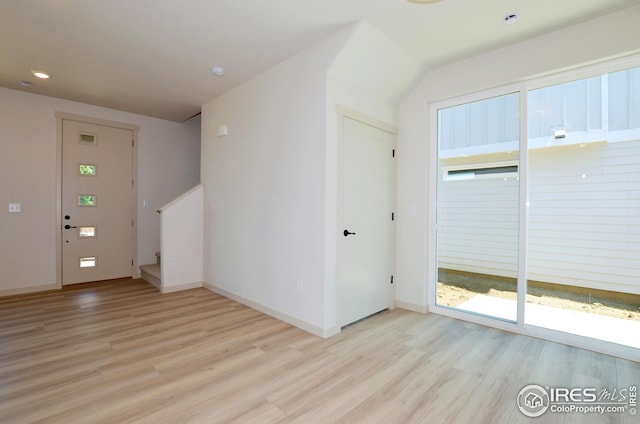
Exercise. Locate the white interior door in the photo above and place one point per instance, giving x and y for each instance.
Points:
(365, 206)
(97, 225)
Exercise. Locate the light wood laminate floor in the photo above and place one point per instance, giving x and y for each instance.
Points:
(120, 352)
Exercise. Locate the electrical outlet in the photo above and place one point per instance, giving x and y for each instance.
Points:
(14, 207)
(300, 286)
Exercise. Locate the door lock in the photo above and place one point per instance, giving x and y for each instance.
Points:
(67, 227)
(347, 232)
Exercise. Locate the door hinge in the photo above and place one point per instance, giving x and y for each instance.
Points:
(393, 216)
(132, 223)
(131, 262)
(132, 143)
(392, 279)
(393, 153)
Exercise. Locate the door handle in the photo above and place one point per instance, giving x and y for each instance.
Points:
(346, 233)
(66, 227)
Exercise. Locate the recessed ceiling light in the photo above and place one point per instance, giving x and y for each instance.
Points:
(510, 18)
(40, 74)
(217, 71)
(25, 83)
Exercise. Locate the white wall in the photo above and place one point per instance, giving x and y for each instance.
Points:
(265, 188)
(167, 165)
(609, 36)
(271, 182)
(371, 74)
(183, 241)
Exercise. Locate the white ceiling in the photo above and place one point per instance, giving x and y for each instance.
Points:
(154, 57)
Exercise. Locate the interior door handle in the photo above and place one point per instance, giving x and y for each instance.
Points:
(346, 233)
(66, 227)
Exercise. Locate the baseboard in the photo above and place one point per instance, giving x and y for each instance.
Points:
(31, 289)
(315, 330)
(180, 287)
(423, 309)
(151, 279)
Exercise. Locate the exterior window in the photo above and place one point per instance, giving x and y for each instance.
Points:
(87, 232)
(550, 241)
(477, 205)
(88, 262)
(88, 139)
(86, 169)
(87, 200)
(471, 172)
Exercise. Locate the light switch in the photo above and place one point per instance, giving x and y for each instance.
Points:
(14, 207)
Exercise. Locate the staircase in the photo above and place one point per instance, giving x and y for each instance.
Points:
(151, 272)
(182, 241)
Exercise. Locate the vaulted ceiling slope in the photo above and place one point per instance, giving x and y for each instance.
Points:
(154, 57)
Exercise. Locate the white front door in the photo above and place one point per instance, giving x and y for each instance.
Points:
(97, 225)
(365, 226)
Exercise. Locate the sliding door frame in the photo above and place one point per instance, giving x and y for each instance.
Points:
(519, 326)
(432, 247)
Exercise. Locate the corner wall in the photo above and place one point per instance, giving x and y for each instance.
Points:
(182, 241)
(265, 189)
(270, 213)
(369, 76)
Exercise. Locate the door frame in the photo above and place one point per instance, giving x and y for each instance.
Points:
(432, 209)
(342, 113)
(60, 117)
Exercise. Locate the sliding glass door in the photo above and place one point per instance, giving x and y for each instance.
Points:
(478, 206)
(537, 207)
(583, 253)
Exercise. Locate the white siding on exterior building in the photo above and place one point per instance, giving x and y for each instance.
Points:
(584, 216)
(624, 99)
(583, 219)
(485, 122)
(478, 214)
(478, 226)
(583, 187)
